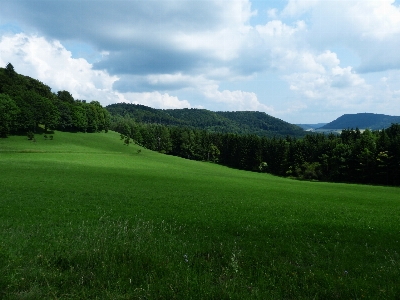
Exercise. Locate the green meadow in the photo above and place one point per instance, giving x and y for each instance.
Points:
(84, 217)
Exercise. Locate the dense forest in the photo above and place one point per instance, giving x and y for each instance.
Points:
(26, 103)
(240, 122)
(362, 121)
(372, 157)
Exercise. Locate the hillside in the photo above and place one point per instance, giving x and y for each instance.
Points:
(26, 104)
(85, 217)
(362, 121)
(240, 122)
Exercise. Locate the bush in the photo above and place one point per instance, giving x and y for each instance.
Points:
(263, 167)
(30, 135)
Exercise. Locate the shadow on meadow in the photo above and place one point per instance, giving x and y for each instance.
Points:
(142, 260)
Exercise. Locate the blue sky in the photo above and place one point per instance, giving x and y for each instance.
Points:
(304, 61)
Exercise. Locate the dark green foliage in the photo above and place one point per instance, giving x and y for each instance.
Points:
(8, 115)
(126, 138)
(65, 97)
(37, 106)
(10, 70)
(66, 116)
(259, 123)
(240, 122)
(30, 135)
(263, 167)
(368, 157)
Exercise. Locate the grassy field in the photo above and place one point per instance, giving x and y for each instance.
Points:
(85, 217)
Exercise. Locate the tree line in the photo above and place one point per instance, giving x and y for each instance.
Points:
(370, 157)
(26, 103)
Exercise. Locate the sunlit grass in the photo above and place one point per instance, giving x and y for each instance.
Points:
(83, 216)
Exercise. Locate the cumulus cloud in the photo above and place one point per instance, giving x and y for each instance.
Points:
(160, 82)
(235, 100)
(320, 77)
(52, 64)
(159, 52)
(145, 37)
(156, 100)
(370, 28)
(298, 7)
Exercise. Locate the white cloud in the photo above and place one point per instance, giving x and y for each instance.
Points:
(277, 30)
(298, 7)
(52, 64)
(235, 100)
(177, 79)
(155, 100)
(374, 19)
(389, 92)
(193, 48)
(224, 41)
(371, 29)
(320, 78)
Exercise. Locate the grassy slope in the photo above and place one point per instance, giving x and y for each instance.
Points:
(83, 216)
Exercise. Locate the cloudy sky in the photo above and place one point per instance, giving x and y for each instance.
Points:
(304, 61)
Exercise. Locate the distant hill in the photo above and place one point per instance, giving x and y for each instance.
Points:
(240, 122)
(311, 126)
(362, 121)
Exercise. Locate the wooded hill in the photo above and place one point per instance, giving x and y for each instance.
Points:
(362, 121)
(239, 122)
(26, 103)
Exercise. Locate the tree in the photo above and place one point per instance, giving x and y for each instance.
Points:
(92, 118)
(340, 167)
(65, 96)
(187, 145)
(383, 161)
(8, 115)
(214, 152)
(65, 111)
(263, 167)
(126, 138)
(79, 118)
(26, 118)
(164, 139)
(10, 70)
(45, 112)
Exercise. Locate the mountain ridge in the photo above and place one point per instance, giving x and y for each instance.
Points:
(362, 121)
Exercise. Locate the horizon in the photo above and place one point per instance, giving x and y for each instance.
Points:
(304, 62)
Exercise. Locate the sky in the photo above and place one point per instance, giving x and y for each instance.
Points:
(303, 61)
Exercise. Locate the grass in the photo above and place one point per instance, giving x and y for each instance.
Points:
(85, 217)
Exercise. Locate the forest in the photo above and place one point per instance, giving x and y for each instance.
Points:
(240, 122)
(26, 103)
(368, 157)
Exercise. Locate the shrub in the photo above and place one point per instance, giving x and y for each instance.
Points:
(30, 135)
